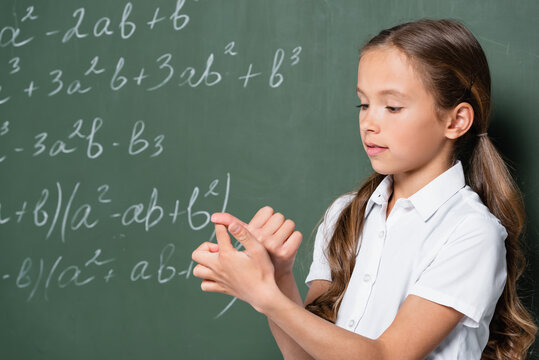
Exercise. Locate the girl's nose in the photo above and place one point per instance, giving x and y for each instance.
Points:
(368, 121)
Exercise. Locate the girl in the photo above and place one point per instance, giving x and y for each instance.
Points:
(422, 260)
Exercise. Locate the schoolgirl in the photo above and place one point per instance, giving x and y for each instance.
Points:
(422, 260)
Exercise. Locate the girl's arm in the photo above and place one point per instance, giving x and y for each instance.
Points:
(287, 284)
(420, 325)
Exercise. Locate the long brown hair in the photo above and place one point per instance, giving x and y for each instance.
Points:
(453, 66)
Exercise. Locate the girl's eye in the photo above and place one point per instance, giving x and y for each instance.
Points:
(363, 106)
(393, 109)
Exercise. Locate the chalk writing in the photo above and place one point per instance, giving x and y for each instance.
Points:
(66, 213)
(165, 72)
(85, 138)
(160, 74)
(40, 275)
(76, 225)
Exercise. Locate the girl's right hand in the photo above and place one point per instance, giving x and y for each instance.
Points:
(276, 234)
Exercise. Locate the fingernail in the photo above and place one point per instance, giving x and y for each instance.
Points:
(234, 228)
(213, 218)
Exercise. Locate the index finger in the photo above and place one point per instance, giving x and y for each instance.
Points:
(225, 219)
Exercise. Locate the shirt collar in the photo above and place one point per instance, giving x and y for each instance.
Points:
(430, 197)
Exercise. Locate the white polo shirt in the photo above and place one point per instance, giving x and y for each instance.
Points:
(442, 243)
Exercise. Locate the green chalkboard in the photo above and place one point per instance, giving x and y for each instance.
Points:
(124, 124)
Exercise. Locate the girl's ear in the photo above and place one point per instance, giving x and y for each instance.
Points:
(459, 121)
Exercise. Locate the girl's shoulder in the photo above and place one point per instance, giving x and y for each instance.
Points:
(468, 205)
(332, 213)
(337, 206)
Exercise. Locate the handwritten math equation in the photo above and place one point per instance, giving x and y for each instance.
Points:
(84, 137)
(62, 211)
(95, 73)
(122, 61)
(70, 215)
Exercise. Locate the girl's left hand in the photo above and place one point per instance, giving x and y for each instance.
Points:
(247, 275)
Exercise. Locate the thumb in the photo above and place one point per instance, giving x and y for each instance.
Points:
(244, 236)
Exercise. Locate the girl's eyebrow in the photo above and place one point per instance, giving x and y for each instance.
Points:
(386, 92)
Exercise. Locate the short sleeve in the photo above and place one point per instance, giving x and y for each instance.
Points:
(320, 269)
(469, 272)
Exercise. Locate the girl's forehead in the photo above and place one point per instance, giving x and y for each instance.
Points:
(386, 67)
(386, 59)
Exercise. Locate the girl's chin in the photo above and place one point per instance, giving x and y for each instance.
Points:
(380, 167)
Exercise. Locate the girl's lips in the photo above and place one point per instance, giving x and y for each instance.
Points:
(371, 151)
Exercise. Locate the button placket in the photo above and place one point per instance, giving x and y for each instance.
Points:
(371, 272)
(371, 275)
(361, 283)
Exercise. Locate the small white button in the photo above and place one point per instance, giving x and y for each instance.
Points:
(381, 234)
(351, 323)
(367, 278)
